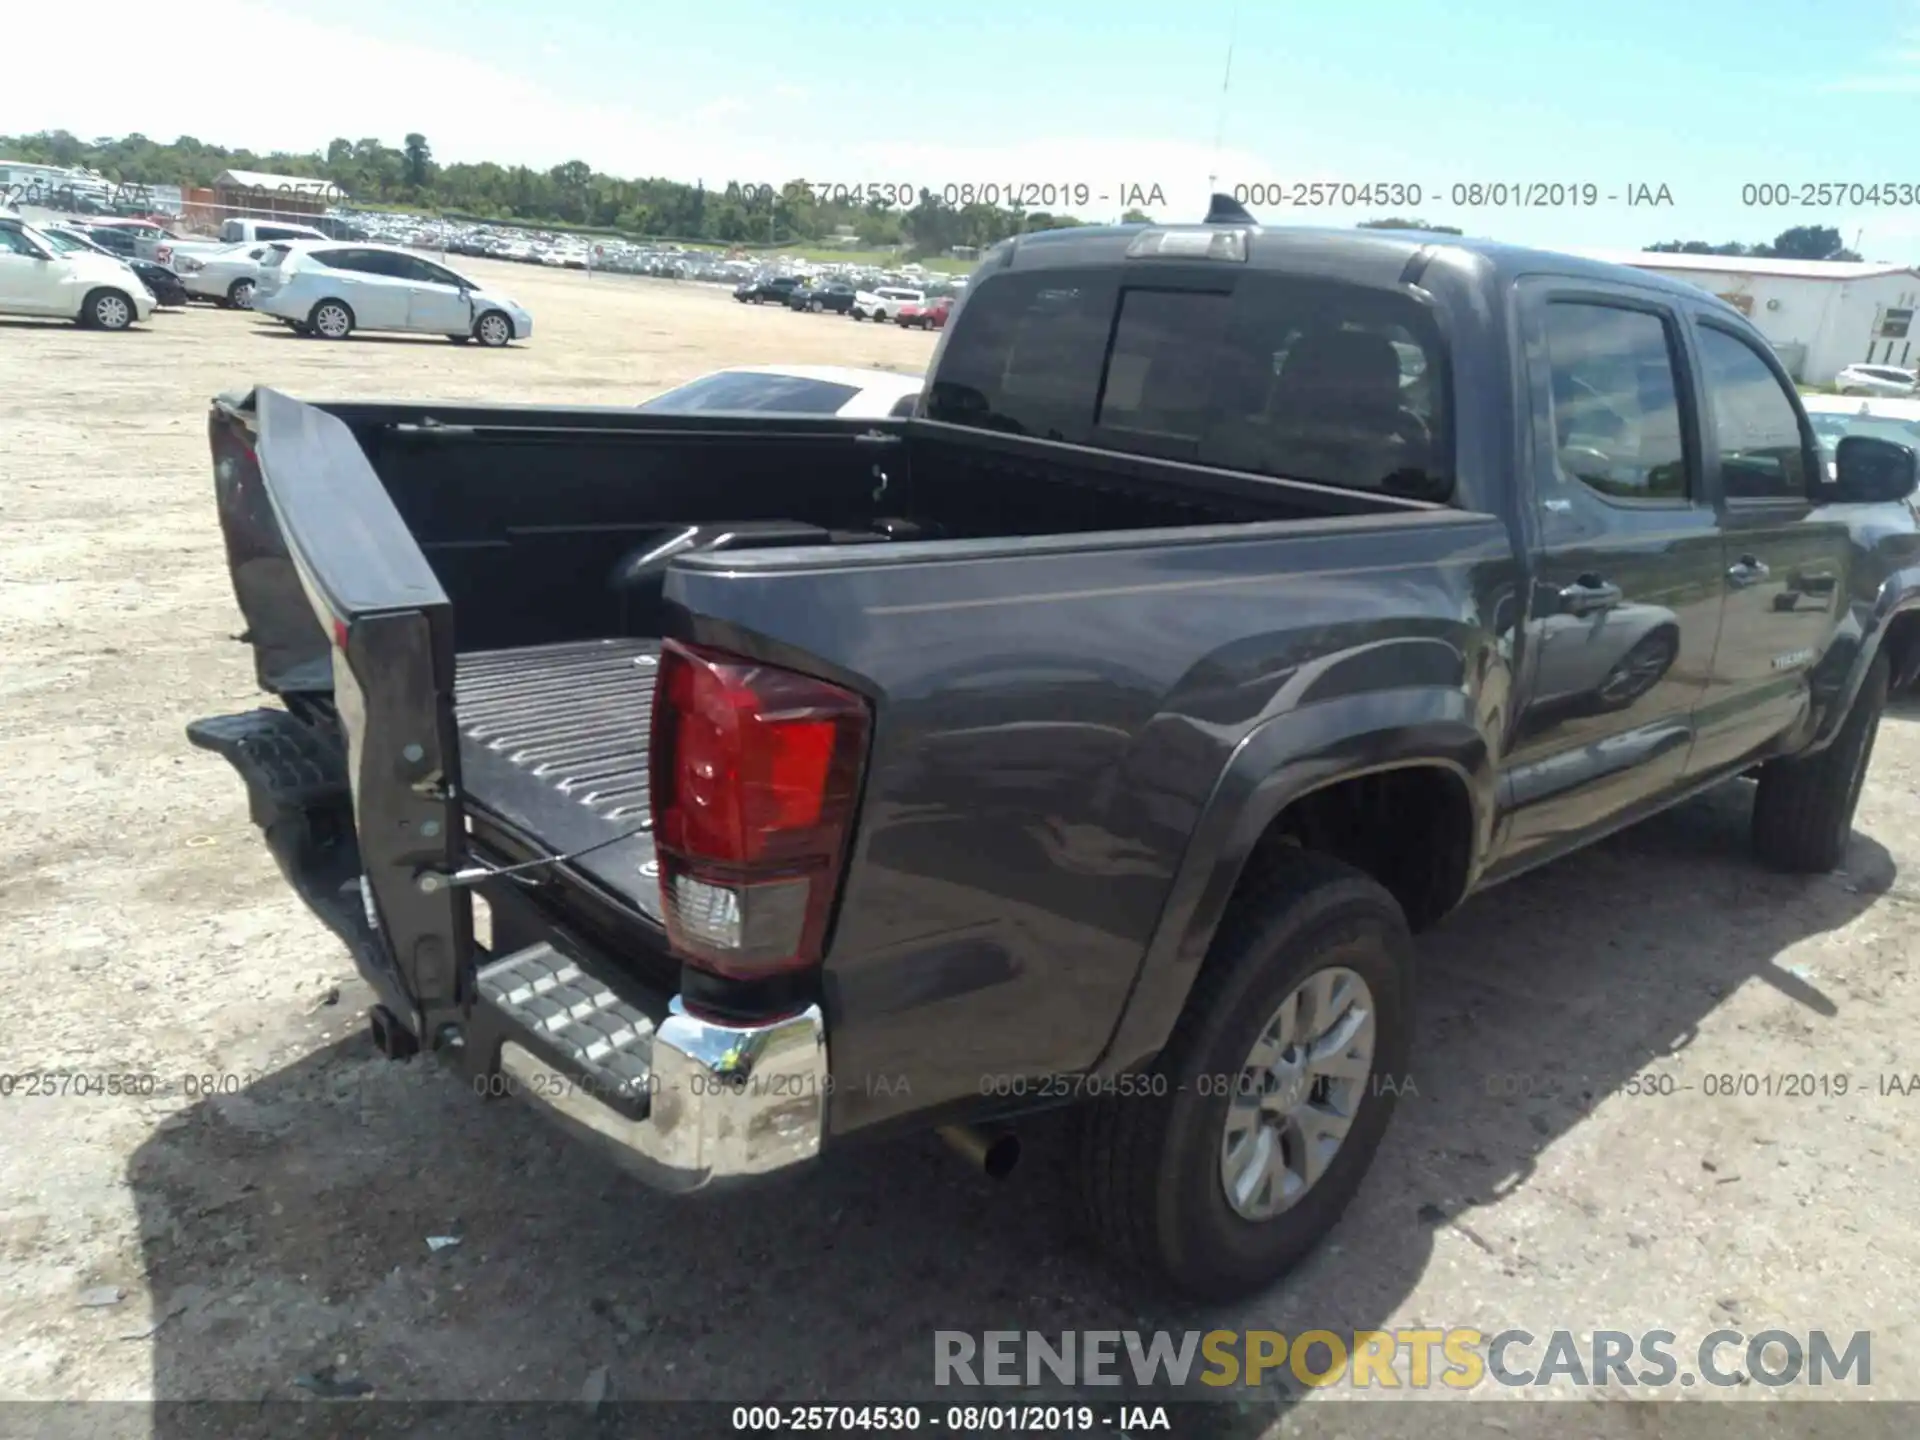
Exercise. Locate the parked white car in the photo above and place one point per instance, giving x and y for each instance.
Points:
(884, 303)
(39, 278)
(1876, 380)
(331, 290)
(794, 390)
(1835, 417)
(227, 277)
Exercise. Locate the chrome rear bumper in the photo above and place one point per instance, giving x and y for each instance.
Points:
(686, 1104)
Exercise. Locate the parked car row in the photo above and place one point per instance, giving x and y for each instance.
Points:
(325, 288)
(913, 309)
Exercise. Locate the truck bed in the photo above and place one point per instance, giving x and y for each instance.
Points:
(553, 744)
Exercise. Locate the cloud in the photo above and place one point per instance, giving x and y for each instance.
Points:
(715, 111)
(1901, 75)
(473, 110)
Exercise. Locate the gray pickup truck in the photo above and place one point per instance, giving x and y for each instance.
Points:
(1237, 602)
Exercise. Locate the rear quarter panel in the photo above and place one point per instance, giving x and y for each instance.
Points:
(1052, 720)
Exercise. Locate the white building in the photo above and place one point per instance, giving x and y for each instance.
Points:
(1819, 315)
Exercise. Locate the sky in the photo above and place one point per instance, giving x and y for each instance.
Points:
(1636, 97)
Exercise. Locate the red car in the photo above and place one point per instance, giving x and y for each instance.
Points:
(929, 315)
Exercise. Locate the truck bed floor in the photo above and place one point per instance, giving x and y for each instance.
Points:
(553, 741)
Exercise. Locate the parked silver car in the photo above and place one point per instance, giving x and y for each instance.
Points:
(226, 277)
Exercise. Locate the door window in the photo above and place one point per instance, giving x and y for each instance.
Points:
(13, 242)
(1763, 455)
(1617, 429)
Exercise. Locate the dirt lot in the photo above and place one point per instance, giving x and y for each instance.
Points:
(280, 1226)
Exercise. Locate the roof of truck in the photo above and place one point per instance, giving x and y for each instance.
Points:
(1366, 257)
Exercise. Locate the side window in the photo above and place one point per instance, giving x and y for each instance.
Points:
(433, 274)
(338, 259)
(1762, 456)
(1615, 403)
(385, 263)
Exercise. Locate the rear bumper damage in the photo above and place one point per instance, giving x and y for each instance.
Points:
(683, 1102)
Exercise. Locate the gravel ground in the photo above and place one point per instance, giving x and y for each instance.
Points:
(264, 1213)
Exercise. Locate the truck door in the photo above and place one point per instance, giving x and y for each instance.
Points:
(1624, 609)
(1784, 562)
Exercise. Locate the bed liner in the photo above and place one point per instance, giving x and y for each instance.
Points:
(553, 741)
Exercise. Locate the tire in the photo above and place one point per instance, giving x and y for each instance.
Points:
(815, 306)
(107, 310)
(493, 329)
(1153, 1168)
(240, 294)
(1803, 809)
(331, 319)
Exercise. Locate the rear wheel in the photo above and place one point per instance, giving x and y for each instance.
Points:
(1273, 1092)
(107, 310)
(240, 294)
(331, 320)
(1803, 809)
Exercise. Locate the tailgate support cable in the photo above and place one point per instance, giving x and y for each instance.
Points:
(431, 882)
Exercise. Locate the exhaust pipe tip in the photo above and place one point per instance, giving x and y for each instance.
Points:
(390, 1037)
(993, 1153)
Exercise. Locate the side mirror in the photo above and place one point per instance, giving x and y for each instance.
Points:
(1869, 472)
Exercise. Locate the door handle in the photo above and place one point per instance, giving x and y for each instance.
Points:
(1589, 595)
(1747, 570)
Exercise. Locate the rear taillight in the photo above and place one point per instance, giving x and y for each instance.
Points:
(755, 775)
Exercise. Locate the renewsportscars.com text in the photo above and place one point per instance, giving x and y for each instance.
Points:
(1455, 1359)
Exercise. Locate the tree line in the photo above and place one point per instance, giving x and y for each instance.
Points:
(575, 194)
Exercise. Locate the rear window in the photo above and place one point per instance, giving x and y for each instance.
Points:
(275, 254)
(1275, 375)
(790, 394)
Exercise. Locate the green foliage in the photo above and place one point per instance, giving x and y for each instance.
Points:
(573, 195)
(1802, 242)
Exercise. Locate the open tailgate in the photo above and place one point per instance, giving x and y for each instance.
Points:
(358, 794)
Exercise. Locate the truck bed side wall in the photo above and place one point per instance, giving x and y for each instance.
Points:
(1050, 726)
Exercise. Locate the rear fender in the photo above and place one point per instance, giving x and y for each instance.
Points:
(1851, 655)
(1288, 757)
